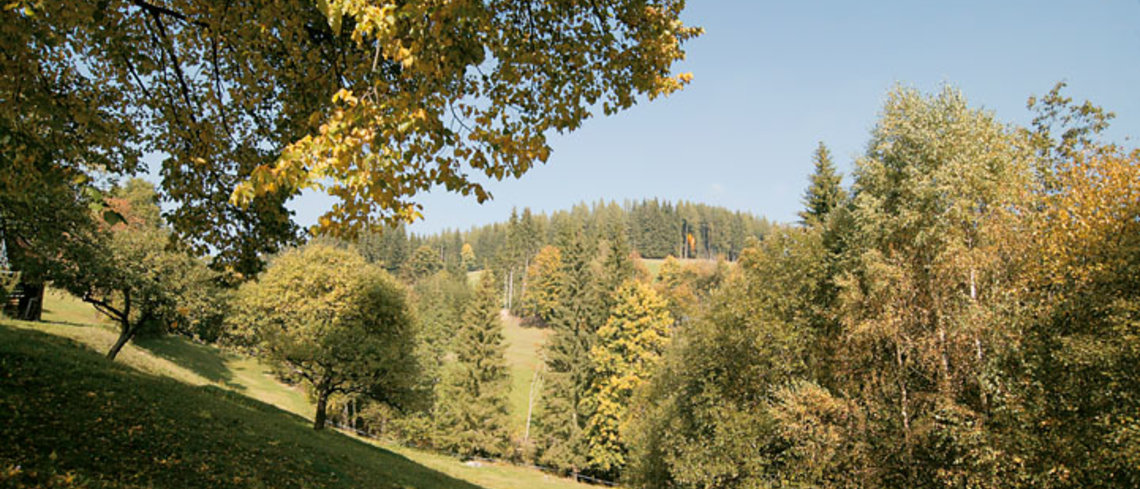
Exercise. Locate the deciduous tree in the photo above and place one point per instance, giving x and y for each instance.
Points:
(129, 272)
(629, 346)
(335, 321)
(922, 305)
(544, 279)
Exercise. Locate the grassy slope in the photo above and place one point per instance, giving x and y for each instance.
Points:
(523, 345)
(173, 357)
(654, 264)
(67, 413)
(199, 365)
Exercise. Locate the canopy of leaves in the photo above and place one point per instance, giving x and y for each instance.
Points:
(432, 90)
(249, 102)
(333, 320)
(130, 272)
(625, 356)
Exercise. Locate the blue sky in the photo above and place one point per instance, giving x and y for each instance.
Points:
(774, 78)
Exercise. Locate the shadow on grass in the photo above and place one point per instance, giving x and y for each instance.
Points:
(140, 430)
(210, 363)
(62, 322)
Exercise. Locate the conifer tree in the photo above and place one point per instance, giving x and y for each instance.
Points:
(628, 348)
(439, 303)
(563, 412)
(616, 268)
(824, 193)
(473, 404)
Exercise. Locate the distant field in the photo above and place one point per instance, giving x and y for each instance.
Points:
(523, 347)
(235, 387)
(654, 264)
(473, 277)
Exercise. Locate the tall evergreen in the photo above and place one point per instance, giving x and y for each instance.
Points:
(473, 401)
(439, 302)
(824, 193)
(616, 268)
(564, 412)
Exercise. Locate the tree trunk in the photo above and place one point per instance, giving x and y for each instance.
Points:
(126, 332)
(530, 400)
(31, 302)
(322, 404)
(511, 290)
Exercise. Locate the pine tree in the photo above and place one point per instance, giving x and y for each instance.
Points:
(563, 412)
(824, 194)
(616, 268)
(628, 348)
(473, 402)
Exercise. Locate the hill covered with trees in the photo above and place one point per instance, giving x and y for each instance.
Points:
(651, 228)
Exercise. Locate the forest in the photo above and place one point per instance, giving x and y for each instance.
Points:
(961, 311)
(963, 314)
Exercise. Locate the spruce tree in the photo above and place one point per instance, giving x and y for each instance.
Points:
(473, 402)
(824, 193)
(439, 302)
(616, 268)
(564, 412)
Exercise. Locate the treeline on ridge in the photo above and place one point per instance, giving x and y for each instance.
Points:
(653, 228)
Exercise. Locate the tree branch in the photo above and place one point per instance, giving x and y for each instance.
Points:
(157, 10)
(103, 306)
(168, 46)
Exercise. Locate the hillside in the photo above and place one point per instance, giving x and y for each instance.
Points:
(523, 347)
(173, 413)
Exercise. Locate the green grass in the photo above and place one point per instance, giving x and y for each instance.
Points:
(522, 355)
(70, 418)
(473, 277)
(193, 397)
(62, 307)
(489, 475)
(654, 264)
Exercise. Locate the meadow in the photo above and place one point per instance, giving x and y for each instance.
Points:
(174, 413)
